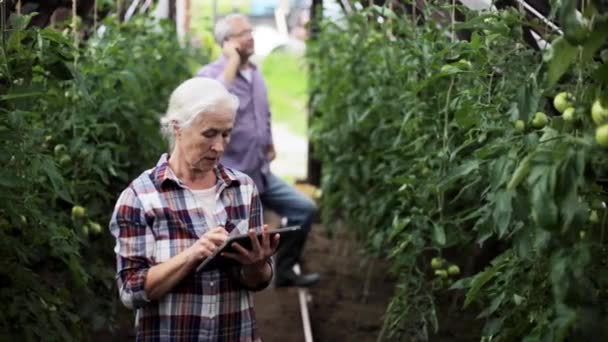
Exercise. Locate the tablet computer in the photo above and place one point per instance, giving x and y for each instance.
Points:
(217, 261)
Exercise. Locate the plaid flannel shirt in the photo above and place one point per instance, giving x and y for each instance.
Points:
(156, 218)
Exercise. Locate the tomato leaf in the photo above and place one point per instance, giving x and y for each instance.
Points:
(439, 234)
(596, 39)
(559, 57)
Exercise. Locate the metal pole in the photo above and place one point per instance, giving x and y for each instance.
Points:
(213, 14)
(3, 23)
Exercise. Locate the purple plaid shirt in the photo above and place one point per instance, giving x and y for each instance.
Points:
(156, 218)
(251, 135)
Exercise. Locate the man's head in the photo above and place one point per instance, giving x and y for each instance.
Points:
(199, 121)
(236, 28)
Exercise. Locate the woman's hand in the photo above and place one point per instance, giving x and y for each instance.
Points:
(208, 243)
(260, 252)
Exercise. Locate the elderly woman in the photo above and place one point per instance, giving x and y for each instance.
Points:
(173, 216)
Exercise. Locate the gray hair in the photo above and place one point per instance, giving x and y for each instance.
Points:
(191, 99)
(223, 27)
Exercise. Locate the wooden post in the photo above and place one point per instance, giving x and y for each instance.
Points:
(313, 165)
(182, 19)
(119, 10)
(2, 22)
(172, 10)
(95, 17)
(187, 19)
(75, 23)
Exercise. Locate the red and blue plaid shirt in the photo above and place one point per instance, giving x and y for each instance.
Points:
(156, 218)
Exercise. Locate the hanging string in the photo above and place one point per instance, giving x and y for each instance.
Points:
(18, 7)
(453, 20)
(75, 31)
(94, 17)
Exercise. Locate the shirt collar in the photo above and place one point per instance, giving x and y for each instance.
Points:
(163, 174)
(222, 61)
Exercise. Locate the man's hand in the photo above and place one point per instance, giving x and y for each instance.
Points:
(272, 154)
(231, 50)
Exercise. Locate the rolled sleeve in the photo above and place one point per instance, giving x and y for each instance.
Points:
(238, 275)
(134, 248)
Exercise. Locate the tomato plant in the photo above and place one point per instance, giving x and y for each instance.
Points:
(432, 158)
(74, 132)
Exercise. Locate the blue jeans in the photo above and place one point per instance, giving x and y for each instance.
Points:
(286, 201)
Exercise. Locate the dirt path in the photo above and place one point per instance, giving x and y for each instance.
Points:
(346, 305)
(292, 153)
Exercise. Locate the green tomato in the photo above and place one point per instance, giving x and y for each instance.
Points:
(604, 55)
(593, 217)
(94, 227)
(520, 125)
(599, 113)
(464, 64)
(601, 136)
(446, 69)
(540, 120)
(576, 30)
(441, 273)
(454, 270)
(568, 114)
(78, 211)
(60, 149)
(436, 263)
(562, 101)
(65, 160)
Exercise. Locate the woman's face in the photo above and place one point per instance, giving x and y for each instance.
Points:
(202, 144)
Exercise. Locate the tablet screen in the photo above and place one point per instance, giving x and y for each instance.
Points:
(217, 261)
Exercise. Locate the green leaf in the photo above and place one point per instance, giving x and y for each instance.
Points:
(491, 309)
(457, 173)
(517, 299)
(57, 181)
(520, 173)
(576, 31)
(502, 211)
(544, 209)
(467, 117)
(527, 101)
(493, 326)
(479, 281)
(439, 234)
(20, 95)
(601, 74)
(559, 58)
(596, 39)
